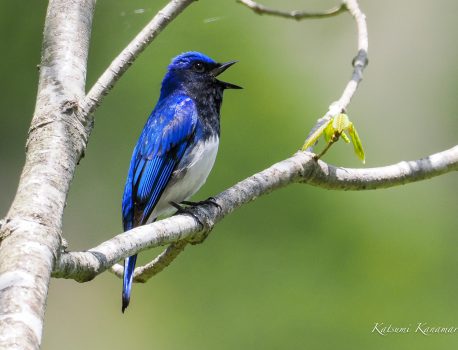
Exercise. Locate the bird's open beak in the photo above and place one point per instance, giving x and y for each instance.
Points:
(220, 69)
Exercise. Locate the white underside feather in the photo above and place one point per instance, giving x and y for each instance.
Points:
(200, 162)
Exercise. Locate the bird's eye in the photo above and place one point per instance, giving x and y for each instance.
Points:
(199, 67)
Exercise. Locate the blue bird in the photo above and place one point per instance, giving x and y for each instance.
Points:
(177, 147)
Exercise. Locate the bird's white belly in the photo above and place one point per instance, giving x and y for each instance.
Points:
(201, 160)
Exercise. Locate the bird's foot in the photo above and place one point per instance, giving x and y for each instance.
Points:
(183, 210)
(191, 210)
(209, 200)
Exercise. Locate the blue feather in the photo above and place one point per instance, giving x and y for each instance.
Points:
(161, 146)
(129, 267)
(186, 118)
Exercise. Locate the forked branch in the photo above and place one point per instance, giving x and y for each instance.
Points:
(359, 63)
(301, 168)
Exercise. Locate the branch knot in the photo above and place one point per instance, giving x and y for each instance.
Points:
(360, 60)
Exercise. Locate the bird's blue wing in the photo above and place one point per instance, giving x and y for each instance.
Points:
(160, 148)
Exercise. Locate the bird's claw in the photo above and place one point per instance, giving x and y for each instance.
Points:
(183, 210)
(191, 211)
(209, 200)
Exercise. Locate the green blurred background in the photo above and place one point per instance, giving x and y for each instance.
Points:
(303, 267)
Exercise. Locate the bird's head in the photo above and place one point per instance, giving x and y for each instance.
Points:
(195, 72)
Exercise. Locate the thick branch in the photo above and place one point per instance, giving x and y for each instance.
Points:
(301, 168)
(30, 235)
(57, 139)
(347, 179)
(130, 53)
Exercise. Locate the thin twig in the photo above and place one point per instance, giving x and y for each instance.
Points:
(122, 62)
(295, 14)
(333, 140)
(301, 168)
(359, 63)
(145, 272)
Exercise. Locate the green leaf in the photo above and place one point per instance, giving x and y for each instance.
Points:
(345, 137)
(314, 137)
(357, 144)
(329, 131)
(341, 123)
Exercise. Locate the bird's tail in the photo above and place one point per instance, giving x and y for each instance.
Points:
(129, 266)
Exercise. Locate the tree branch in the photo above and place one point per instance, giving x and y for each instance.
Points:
(116, 69)
(301, 168)
(347, 179)
(145, 272)
(122, 62)
(359, 63)
(30, 235)
(295, 14)
(57, 139)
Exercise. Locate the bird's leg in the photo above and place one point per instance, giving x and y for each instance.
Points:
(190, 211)
(209, 200)
(183, 210)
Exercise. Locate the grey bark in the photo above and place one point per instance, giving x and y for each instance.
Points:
(31, 233)
(301, 168)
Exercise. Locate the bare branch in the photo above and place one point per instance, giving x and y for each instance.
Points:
(84, 266)
(57, 138)
(60, 128)
(347, 179)
(359, 63)
(295, 14)
(122, 62)
(301, 168)
(145, 272)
